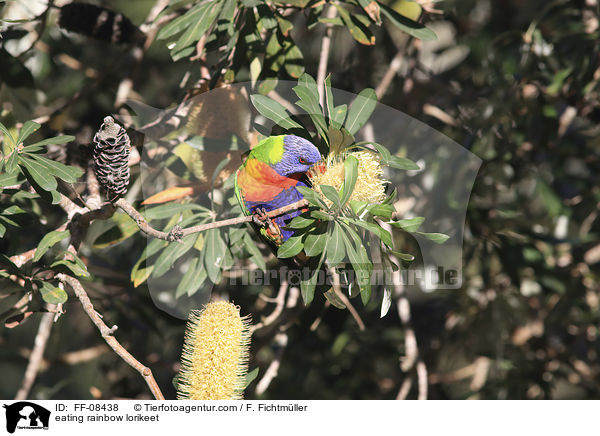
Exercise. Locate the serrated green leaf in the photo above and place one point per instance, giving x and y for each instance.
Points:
(49, 240)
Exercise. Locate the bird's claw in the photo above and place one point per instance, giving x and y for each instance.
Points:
(261, 218)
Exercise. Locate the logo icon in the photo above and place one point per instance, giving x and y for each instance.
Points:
(26, 415)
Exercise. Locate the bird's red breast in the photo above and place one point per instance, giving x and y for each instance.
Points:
(259, 182)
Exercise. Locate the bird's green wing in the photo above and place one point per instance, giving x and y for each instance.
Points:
(239, 195)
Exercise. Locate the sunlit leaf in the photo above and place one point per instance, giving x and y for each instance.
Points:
(49, 240)
(360, 110)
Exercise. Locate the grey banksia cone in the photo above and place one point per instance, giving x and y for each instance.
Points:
(111, 157)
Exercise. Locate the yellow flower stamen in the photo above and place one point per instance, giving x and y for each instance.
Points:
(370, 184)
(214, 361)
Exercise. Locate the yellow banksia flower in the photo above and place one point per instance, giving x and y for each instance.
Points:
(370, 184)
(214, 360)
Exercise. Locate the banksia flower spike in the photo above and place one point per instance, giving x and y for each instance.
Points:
(111, 157)
(370, 184)
(214, 360)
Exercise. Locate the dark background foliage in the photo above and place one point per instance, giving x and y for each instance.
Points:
(514, 82)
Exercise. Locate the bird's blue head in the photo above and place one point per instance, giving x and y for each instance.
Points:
(298, 156)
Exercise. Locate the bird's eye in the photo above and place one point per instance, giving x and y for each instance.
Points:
(303, 161)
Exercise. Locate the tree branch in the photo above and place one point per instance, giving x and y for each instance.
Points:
(412, 357)
(324, 56)
(177, 233)
(338, 291)
(280, 304)
(107, 334)
(36, 357)
(281, 340)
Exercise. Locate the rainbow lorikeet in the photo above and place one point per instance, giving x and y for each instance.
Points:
(268, 178)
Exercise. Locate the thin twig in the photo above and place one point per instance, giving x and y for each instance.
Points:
(404, 388)
(389, 75)
(36, 357)
(315, 325)
(94, 200)
(177, 232)
(324, 56)
(338, 291)
(107, 334)
(281, 339)
(411, 348)
(422, 380)
(273, 316)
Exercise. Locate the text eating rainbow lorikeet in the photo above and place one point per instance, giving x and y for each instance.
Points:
(267, 180)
